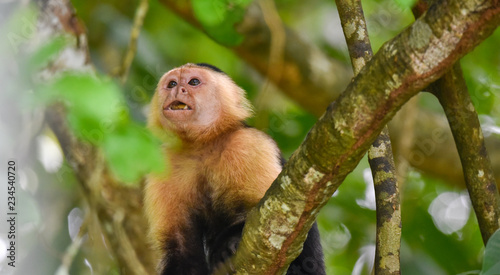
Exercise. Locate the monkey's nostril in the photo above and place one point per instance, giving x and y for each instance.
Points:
(183, 90)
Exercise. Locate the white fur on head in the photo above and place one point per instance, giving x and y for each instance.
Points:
(220, 95)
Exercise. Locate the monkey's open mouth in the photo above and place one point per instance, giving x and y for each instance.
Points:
(178, 105)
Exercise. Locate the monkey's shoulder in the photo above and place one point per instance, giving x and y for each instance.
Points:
(249, 146)
(247, 166)
(248, 139)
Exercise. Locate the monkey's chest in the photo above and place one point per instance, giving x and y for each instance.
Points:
(215, 201)
(212, 199)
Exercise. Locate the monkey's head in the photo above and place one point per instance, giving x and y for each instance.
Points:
(197, 102)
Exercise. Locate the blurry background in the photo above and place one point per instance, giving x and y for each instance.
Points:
(440, 232)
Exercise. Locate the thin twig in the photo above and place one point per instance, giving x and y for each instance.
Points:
(73, 248)
(380, 156)
(278, 38)
(275, 64)
(134, 265)
(140, 14)
(69, 256)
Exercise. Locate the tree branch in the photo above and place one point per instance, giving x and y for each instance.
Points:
(308, 69)
(403, 66)
(305, 67)
(387, 198)
(451, 91)
(388, 240)
(140, 14)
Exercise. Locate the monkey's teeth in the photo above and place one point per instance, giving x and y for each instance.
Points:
(179, 106)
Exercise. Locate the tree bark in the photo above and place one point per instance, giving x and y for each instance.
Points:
(332, 149)
(422, 53)
(380, 157)
(431, 152)
(454, 97)
(464, 123)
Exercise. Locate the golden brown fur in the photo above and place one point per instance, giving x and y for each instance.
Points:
(238, 163)
(240, 171)
(219, 170)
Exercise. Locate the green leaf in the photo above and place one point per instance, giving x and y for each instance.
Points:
(95, 105)
(210, 13)
(219, 17)
(491, 263)
(97, 113)
(406, 4)
(132, 152)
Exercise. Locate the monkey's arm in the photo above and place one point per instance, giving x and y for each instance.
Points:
(253, 161)
(248, 164)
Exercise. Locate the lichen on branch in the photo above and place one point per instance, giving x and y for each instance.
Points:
(334, 146)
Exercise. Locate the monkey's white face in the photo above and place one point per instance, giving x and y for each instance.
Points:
(189, 99)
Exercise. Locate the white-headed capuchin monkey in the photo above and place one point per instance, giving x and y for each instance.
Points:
(220, 169)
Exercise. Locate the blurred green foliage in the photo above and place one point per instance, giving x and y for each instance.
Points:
(491, 264)
(97, 113)
(219, 17)
(44, 54)
(406, 4)
(113, 117)
(133, 152)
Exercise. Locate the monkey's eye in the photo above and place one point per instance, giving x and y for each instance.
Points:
(194, 82)
(171, 84)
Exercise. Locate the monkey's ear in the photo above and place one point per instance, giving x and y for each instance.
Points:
(244, 104)
(233, 97)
